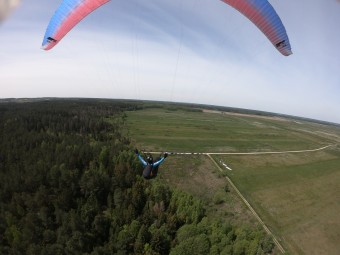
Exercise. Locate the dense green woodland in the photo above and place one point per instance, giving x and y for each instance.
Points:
(70, 184)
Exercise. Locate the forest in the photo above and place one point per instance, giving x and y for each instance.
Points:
(70, 183)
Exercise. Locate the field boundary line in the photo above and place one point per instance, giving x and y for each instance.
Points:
(277, 243)
(267, 152)
(242, 153)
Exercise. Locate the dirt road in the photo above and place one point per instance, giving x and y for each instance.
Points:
(277, 243)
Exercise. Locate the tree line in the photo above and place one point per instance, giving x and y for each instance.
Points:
(70, 184)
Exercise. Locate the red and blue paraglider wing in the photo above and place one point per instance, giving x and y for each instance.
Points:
(260, 12)
(69, 14)
(263, 15)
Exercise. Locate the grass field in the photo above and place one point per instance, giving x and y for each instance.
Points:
(163, 129)
(297, 195)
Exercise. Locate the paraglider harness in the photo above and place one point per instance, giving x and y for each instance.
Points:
(150, 166)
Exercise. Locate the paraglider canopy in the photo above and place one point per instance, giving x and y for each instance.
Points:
(263, 15)
(68, 14)
(260, 12)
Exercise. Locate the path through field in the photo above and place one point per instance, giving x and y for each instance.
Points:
(279, 246)
(241, 153)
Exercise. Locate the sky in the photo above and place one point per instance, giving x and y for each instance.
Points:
(197, 51)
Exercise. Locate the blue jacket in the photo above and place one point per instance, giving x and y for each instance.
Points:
(150, 170)
(154, 165)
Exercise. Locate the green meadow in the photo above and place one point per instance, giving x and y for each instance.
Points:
(196, 131)
(295, 194)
